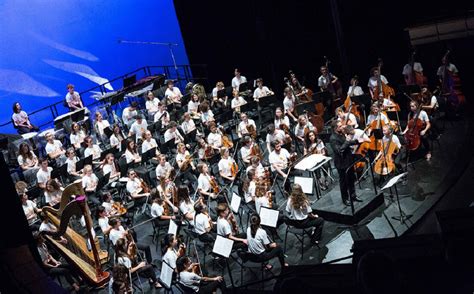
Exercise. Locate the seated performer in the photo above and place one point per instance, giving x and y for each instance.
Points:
(186, 206)
(92, 149)
(206, 182)
(227, 226)
(261, 90)
(151, 104)
(138, 127)
(373, 82)
(423, 116)
(206, 114)
(281, 121)
(289, 103)
(129, 113)
(303, 127)
(227, 166)
(44, 173)
(203, 224)
(279, 159)
(237, 101)
(214, 139)
(164, 168)
(28, 163)
(162, 115)
(136, 187)
(246, 127)
(194, 282)
(54, 149)
(159, 208)
(73, 99)
(53, 193)
(99, 125)
(172, 133)
(193, 106)
(238, 79)
(172, 93)
(77, 136)
(21, 121)
(274, 135)
(116, 138)
(301, 215)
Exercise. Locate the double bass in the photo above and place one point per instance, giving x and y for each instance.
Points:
(416, 77)
(348, 104)
(450, 84)
(334, 87)
(382, 89)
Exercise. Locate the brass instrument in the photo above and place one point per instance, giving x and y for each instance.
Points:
(82, 253)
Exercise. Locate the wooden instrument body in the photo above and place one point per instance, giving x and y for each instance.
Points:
(226, 142)
(362, 151)
(234, 169)
(256, 152)
(412, 136)
(375, 144)
(385, 164)
(252, 131)
(351, 107)
(214, 186)
(387, 91)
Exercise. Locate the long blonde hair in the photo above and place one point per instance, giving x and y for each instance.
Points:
(299, 200)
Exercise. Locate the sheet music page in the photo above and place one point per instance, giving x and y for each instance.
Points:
(235, 202)
(166, 274)
(173, 228)
(305, 183)
(268, 217)
(223, 246)
(393, 181)
(310, 161)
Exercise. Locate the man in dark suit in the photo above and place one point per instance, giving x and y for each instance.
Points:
(343, 159)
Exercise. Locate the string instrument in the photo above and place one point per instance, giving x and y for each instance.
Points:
(144, 186)
(214, 185)
(375, 124)
(382, 89)
(252, 131)
(174, 193)
(256, 152)
(286, 129)
(187, 160)
(385, 164)
(451, 84)
(334, 87)
(316, 120)
(132, 247)
(362, 151)
(348, 103)
(119, 209)
(85, 259)
(412, 136)
(305, 95)
(305, 131)
(208, 151)
(416, 77)
(181, 247)
(234, 169)
(233, 222)
(196, 267)
(226, 142)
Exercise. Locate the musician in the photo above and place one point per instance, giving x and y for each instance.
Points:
(279, 158)
(149, 143)
(326, 79)
(354, 88)
(274, 134)
(77, 136)
(446, 66)
(343, 159)
(166, 189)
(31, 211)
(206, 114)
(54, 149)
(92, 149)
(186, 206)
(151, 104)
(389, 136)
(172, 133)
(157, 210)
(108, 204)
(225, 166)
(21, 121)
(195, 282)
(214, 139)
(257, 166)
(53, 193)
(219, 86)
(71, 161)
(281, 121)
(423, 116)
(376, 114)
(172, 93)
(246, 149)
(262, 199)
(135, 187)
(103, 219)
(162, 115)
(100, 124)
(139, 126)
(52, 266)
(225, 226)
(121, 280)
(373, 82)
(238, 79)
(430, 105)
(289, 103)
(184, 161)
(188, 124)
(204, 181)
(122, 256)
(44, 173)
(260, 246)
(164, 168)
(205, 150)
(300, 213)
(409, 72)
(193, 105)
(346, 118)
(245, 124)
(131, 154)
(237, 101)
(89, 183)
(129, 113)
(303, 127)
(117, 137)
(73, 99)
(203, 224)
(109, 167)
(261, 90)
(28, 162)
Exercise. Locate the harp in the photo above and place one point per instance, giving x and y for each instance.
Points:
(82, 252)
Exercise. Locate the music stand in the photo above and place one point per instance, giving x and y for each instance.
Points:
(223, 247)
(108, 132)
(225, 116)
(78, 115)
(228, 91)
(149, 154)
(269, 100)
(393, 183)
(322, 97)
(305, 107)
(243, 87)
(58, 172)
(221, 93)
(249, 106)
(190, 137)
(129, 81)
(88, 160)
(117, 99)
(80, 165)
(104, 153)
(103, 181)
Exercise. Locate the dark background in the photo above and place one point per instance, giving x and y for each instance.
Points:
(267, 38)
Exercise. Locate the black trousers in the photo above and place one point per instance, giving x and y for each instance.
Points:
(24, 130)
(61, 270)
(147, 272)
(269, 254)
(316, 223)
(209, 237)
(210, 287)
(346, 183)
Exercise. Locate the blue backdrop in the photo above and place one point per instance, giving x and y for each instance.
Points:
(47, 44)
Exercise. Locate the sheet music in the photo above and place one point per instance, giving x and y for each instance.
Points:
(166, 274)
(394, 180)
(223, 246)
(173, 228)
(311, 161)
(235, 202)
(305, 183)
(268, 217)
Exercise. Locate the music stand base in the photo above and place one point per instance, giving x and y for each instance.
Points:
(402, 218)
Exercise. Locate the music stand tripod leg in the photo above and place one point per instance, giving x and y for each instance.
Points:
(403, 216)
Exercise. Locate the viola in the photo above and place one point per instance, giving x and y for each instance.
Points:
(214, 186)
(234, 169)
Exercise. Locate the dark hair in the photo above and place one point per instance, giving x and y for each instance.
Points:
(270, 128)
(15, 109)
(120, 249)
(181, 263)
(100, 210)
(167, 242)
(254, 224)
(121, 281)
(42, 159)
(183, 194)
(113, 222)
(28, 153)
(134, 104)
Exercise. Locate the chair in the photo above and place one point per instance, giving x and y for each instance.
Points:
(156, 233)
(299, 233)
(248, 262)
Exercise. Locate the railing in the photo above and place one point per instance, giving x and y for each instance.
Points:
(182, 73)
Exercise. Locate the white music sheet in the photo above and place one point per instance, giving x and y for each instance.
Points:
(173, 228)
(166, 274)
(268, 217)
(310, 161)
(235, 202)
(305, 183)
(223, 246)
(394, 180)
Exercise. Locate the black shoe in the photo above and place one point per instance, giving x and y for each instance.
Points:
(357, 199)
(346, 202)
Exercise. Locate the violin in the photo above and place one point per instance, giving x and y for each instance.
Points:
(226, 142)
(208, 152)
(286, 129)
(252, 131)
(119, 209)
(144, 186)
(214, 186)
(133, 247)
(234, 169)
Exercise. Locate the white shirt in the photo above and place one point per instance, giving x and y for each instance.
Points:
(139, 129)
(163, 116)
(237, 81)
(193, 106)
(288, 103)
(114, 234)
(223, 227)
(103, 223)
(261, 201)
(299, 130)
(201, 224)
(214, 139)
(152, 105)
(47, 227)
(297, 214)
(53, 197)
(170, 258)
(147, 145)
(101, 125)
(277, 135)
(131, 157)
(77, 138)
(259, 171)
(245, 152)
(357, 91)
(114, 142)
(285, 120)
(95, 151)
(279, 159)
(89, 181)
(190, 279)
(75, 98)
(163, 170)
(125, 261)
(373, 81)
(188, 126)
(29, 210)
(225, 166)
(20, 118)
(423, 116)
(323, 81)
(128, 116)
(43, 176)
(174, 94)
(263, 92)
(26, 161)
(109, 169)
(394, 140)
(250, 193)
(351, 117)
(186, 208)
(54, 147)
(134, 187)
(373, 117)
(203, 183)
(156, 210)
(257, 244)
(407, 70)
(172, 135)
(242, 128)
(207, 116)
(236, 102)
(318, 145)
(451, 67)
(358, 133)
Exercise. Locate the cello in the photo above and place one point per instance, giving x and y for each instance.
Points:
(348, 104)
(384, 165)
(415, 126)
